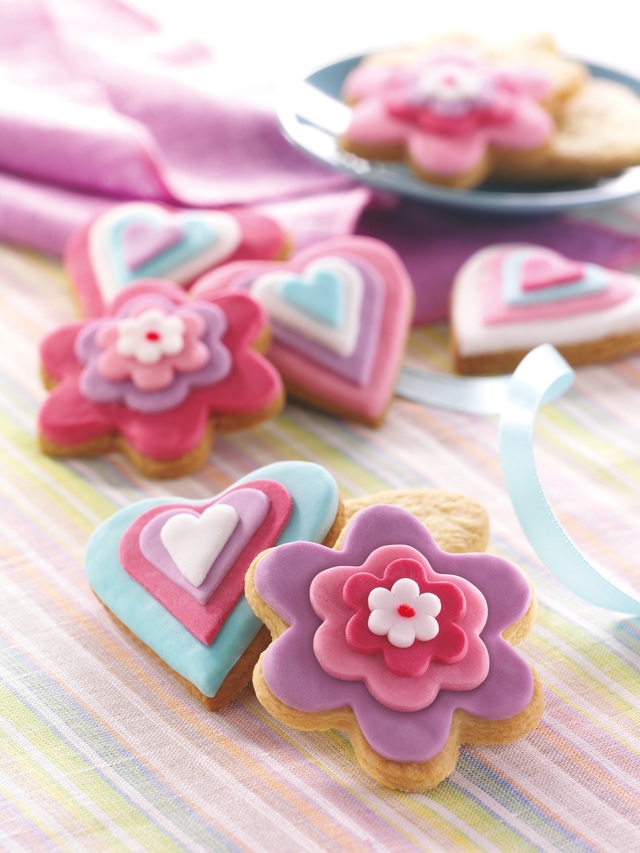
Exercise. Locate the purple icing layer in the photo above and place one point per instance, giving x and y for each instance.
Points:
(99, 389)
(252, 506)
(358, 366)
(293, 674)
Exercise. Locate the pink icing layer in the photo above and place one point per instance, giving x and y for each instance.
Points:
(369, 400)
(205, 620)
(549, 269)
(496, 311)
(397, 692)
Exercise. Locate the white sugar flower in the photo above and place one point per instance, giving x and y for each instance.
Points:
(451, 81)
(403, 613)
(150, 336)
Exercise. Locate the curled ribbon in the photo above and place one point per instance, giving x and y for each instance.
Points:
(542, 376)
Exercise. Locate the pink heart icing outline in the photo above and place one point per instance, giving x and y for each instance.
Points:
(204, 621)
(549, 270)
(141, 241)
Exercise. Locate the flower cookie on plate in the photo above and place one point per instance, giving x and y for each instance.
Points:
(340, 313)
(156, 376)
(406, 647)
(453, 110)
(171, 571)
(141, 239)
(508, 299)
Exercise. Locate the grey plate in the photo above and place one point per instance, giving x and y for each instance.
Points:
(312, 116)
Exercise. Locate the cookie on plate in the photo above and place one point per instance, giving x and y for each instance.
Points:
(508, 299)
(141, 239)
(454, 110)
(400, 635)
(340, 313)
(156, 376)
(597, 136)
(171, 571)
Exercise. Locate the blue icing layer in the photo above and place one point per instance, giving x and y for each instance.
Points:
(594, 280)
(198, 236)
(315, 503)
(320, 296)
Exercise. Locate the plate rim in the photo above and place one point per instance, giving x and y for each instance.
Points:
(396, 177)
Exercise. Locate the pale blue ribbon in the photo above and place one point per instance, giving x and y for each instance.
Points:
(543, 375)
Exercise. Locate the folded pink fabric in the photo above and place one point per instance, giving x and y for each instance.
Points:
(98, 105)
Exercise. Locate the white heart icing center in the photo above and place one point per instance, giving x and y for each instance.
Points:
(195, 541)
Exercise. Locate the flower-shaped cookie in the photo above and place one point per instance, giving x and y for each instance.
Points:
(155, 377)
(447, 113)
(402, 645)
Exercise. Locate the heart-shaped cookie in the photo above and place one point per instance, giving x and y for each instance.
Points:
(141, 240)
(211, 645)
(340, 314)
(508, 299)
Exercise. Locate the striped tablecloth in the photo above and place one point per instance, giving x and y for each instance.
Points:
(100, 749)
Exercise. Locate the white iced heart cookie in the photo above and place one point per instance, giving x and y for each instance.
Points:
(142, 241)
(194, 541)
(508, 299)
(139, 240)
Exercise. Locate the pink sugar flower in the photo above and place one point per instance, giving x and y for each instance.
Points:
(152, 346)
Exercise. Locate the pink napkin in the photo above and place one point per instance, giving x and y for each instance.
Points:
(98, 105)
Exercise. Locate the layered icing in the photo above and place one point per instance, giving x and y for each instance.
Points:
(313, 667)
(141, 240)
(514, 297)
(314, 501)
(447, 109)
(340, 314)
(162, 408)
(167, 547)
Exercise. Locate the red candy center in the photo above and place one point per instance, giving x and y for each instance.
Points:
(152, 336)
(406, 610)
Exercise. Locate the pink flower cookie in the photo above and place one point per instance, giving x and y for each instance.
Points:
(449, 113)
(406, 647)
(156, 376)
(142, 240)
(340, 313)
(508, 299)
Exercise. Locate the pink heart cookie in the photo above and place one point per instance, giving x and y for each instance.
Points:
(141, 239)
(340, 313)
(508, 299)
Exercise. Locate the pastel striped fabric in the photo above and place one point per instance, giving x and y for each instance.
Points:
(100, 749)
